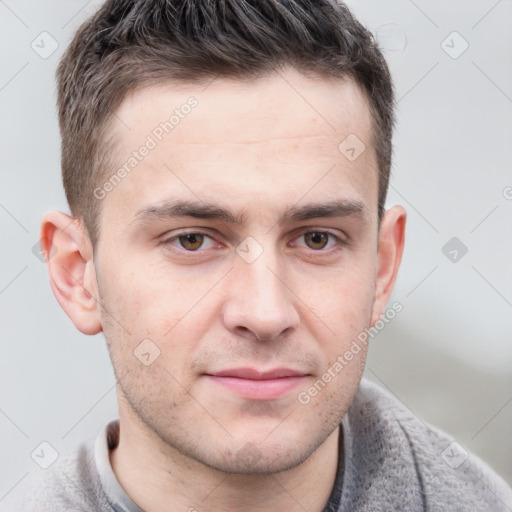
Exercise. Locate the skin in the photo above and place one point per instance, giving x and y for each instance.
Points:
(257, 149)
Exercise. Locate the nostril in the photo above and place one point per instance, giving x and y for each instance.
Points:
(246, 332)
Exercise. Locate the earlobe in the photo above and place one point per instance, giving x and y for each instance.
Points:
(70, 264)
(391, 246)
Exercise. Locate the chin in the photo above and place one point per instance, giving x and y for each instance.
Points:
(251, 460)
(249, 453)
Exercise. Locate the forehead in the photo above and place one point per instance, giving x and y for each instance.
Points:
(275, 140)
(284, 104)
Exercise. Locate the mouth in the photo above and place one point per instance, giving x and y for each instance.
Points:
(254, 384)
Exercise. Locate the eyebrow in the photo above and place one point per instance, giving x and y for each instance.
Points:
(202, 210)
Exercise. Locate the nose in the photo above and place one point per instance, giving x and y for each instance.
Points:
(259, 304)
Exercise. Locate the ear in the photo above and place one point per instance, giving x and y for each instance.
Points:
(69, 258)
(391, 247)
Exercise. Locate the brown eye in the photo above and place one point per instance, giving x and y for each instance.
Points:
(316, 240)
(191, 241)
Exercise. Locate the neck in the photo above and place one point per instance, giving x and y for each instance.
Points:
(154, 476)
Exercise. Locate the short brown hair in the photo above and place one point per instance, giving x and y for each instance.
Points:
(131, 44)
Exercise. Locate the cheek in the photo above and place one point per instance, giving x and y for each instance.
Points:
(171, 310)
(149, 301)
(343, 295)
(340, 310)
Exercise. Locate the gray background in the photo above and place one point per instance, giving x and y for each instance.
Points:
(447, 355)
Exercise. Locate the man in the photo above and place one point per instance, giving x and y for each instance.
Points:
(226, 165)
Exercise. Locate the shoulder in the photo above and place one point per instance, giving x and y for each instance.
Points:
(449, 477)
(71, 483)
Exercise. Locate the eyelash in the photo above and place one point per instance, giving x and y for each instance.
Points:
(339, 243)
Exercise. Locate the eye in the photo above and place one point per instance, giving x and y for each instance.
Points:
(191, 242)
(318, 240)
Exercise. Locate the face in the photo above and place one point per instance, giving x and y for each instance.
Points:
(237, 261)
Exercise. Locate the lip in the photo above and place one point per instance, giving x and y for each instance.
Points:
(258, 385)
